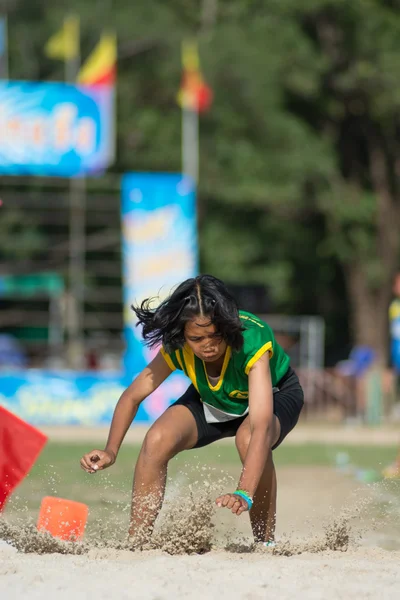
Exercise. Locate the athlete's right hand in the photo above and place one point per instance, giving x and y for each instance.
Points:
(97, 460)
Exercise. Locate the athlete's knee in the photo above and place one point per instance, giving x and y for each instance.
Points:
(159, 445)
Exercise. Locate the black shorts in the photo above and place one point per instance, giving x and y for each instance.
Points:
(288, 402)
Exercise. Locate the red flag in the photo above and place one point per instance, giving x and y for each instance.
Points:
(20, 445)
(194, 93)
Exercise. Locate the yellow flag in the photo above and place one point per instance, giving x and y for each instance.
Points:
(190, 56)
(64, 44)
(100, 67)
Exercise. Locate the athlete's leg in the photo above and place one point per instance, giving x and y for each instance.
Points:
(174, 431)
(263, 513)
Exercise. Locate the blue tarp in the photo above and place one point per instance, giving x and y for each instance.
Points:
(67, 398)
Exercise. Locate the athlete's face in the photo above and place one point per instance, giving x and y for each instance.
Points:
(201, 337)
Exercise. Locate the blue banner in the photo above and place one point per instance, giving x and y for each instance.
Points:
(159, 243)
(65, 398)
(55, 129)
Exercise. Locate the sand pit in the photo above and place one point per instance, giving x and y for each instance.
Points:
(332, 537)
(356, 574)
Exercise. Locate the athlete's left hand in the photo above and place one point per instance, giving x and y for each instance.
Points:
(236, 504)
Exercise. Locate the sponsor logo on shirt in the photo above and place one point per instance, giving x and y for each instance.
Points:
(238, 394)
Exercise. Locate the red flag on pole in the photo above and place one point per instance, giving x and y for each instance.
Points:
(20, 445)
(194, 93)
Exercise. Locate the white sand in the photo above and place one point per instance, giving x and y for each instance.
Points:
(308, 497)
(359, 574)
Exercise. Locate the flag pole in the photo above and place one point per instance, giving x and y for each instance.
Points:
(4, 70)
(190, 143)
(190, 115)
(77, 243)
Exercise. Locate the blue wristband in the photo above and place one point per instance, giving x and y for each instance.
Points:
(245, 496)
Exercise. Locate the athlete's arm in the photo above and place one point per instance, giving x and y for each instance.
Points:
(261, 423)
(125, 411)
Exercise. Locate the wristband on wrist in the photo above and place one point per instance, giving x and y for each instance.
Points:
(245, 496)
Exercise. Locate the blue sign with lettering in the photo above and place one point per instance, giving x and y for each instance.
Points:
(55, 129)
(159, 247)
(67, 398)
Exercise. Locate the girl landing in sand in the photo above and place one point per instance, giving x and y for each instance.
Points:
(242, 386)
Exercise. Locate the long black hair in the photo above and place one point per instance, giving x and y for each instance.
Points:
(204, 295)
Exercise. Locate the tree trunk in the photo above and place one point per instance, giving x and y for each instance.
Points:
(369, 310)
(369, 305)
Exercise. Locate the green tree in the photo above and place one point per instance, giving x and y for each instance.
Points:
(299, 154)
(357, 111)
(312, 123)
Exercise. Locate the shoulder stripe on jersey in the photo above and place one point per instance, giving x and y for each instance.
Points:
(180, 361)
(188, 358)
(252, 320)
(167, 359)
(266, 348)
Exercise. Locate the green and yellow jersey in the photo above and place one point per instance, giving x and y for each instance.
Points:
(230, 395)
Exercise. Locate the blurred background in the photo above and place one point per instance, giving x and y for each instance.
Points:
(281, 117)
